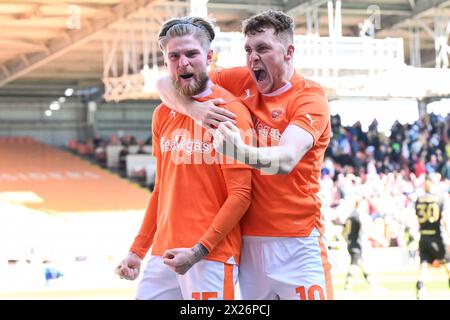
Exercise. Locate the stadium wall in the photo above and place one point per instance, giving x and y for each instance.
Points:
(25, 116)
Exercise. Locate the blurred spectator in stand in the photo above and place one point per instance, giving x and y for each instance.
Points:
(420, 167)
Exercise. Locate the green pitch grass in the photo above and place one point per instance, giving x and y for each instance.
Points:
(399, 285)
(79, 294)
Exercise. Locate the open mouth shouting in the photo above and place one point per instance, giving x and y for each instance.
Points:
(263, 79)
(187, 76)
(260, 74)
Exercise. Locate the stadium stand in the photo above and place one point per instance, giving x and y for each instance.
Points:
(61, 215)
(65, 183)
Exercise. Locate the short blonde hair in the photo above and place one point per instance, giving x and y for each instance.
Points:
(200, 28)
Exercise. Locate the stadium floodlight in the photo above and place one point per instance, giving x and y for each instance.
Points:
(48, 113)
(54, 106)
(68, 92)
(62, 99)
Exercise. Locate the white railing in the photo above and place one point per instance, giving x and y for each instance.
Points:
(347, 53)
(354, 53)
(345, 66)
(229, 49)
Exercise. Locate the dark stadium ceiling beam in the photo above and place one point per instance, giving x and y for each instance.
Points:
(69, 40)
(420, 8)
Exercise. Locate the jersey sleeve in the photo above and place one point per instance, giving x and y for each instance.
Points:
(238, 182)
(229, 79)
(144, 238)
(156, 150)
(311, 113)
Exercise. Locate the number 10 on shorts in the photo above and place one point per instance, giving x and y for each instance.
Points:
(313, 291)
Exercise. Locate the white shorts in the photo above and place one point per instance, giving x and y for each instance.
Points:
(275, 268)
(206, 280)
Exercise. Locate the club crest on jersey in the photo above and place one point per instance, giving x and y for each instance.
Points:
(276, 113)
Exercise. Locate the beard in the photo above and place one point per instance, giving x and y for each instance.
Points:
(195, 87)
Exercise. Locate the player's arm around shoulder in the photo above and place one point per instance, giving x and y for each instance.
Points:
(206, 114)
(228, 78)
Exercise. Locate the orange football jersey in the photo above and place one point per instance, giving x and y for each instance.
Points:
(283, 205)
(191, 186)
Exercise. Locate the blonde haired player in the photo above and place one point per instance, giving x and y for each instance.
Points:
(283, 254)
(192, 220)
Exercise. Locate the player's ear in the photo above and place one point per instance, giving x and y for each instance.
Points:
(209, 57)
(290, 52)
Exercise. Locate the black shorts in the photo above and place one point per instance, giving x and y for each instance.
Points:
(355, 253)
(430, 250)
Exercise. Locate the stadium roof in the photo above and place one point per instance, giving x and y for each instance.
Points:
(48, 45)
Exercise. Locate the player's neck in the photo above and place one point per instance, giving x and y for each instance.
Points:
(280, 90)
(285, 83)
(206, 92)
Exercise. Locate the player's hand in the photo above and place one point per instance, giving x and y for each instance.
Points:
(181, 260)
(228, 140)
(209, 115)
(130, 267)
